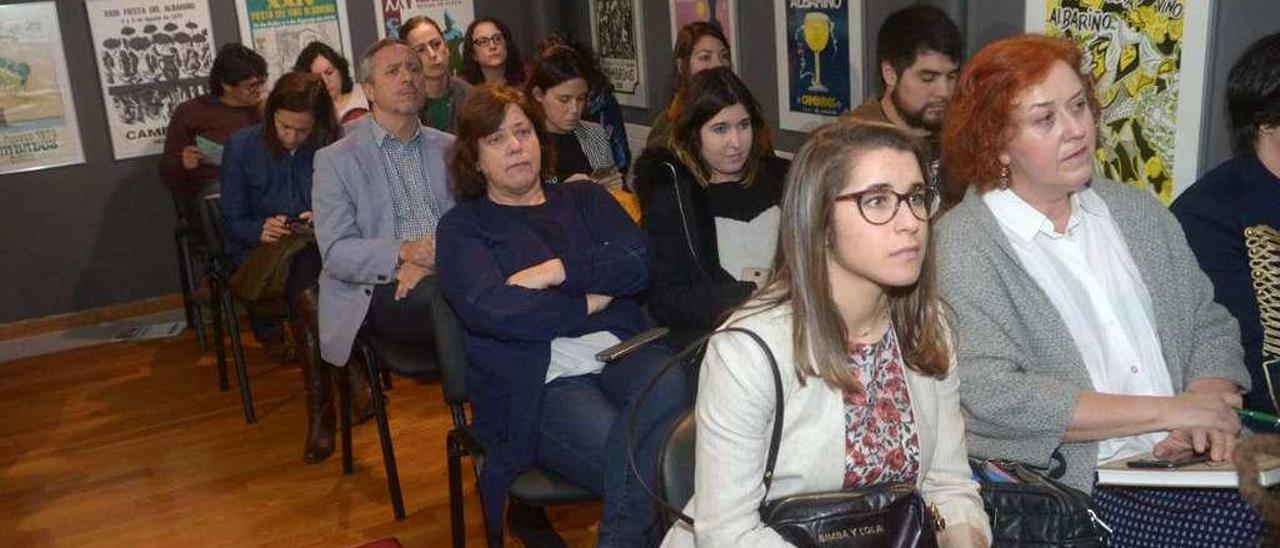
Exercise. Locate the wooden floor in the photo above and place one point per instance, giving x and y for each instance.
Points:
(132, 444)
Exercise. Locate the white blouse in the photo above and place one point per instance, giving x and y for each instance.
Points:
(1091, 279)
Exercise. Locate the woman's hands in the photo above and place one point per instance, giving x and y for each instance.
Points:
(550, 274)
(274, 228)
(1202, 419)
(540, 276)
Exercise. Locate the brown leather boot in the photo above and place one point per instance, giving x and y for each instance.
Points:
(361, 392)
(317, 377)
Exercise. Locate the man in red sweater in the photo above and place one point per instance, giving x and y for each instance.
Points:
(235, 93)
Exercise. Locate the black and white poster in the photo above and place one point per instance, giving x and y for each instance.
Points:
(152, 55)
(616, 34)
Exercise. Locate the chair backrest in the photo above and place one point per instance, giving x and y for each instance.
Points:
(451, 351)
(675, 463)
(1263, 244)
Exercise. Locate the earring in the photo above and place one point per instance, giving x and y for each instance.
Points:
(1003, 182)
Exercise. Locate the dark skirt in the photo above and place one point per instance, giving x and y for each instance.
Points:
(1164, 518)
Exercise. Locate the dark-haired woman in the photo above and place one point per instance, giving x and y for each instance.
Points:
(444, 92)
(489, 56)
(700, 45)
(853, 318)
(266, 207)
(558, 83)
(543, 278)
(601, 105)
(710, 202)
(1242, 192)
(349, 102)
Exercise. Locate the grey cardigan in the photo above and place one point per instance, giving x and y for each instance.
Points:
(1020, 372)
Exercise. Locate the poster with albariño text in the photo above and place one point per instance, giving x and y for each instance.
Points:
(38, 127)
(818, 44)
(152, 56)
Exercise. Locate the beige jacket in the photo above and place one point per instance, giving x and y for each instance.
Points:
(734, 416)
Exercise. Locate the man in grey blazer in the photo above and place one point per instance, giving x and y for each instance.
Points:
(378, 194)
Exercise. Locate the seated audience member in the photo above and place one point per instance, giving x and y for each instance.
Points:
(235, 92)
(853, 319)
(543, 277)
(489, 56)
(348, 99)
(601, 106)
(918, 50)
(710, 203)
(266, 204)
(1086, 331)
(558, 83)
(1240, 193)
(379, 193)
(699, 46)
(444, 92)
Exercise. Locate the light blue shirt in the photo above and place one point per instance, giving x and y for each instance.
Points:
(416, 214)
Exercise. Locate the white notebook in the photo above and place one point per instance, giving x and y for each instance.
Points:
(1206, 474)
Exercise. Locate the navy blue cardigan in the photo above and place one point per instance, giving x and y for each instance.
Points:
(256, 185)
(1214, 212)
(509, 328)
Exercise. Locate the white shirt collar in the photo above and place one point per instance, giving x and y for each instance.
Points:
(1022, 220)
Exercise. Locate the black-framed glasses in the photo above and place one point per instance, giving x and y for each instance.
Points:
(484, 41)
(880, 205)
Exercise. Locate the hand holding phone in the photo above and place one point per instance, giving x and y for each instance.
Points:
(1168, 464)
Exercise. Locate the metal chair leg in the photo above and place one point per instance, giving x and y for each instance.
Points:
(344, 416)
(237, 351)
(186, 271)
(457, 523)
(384, 437)
(219, 349)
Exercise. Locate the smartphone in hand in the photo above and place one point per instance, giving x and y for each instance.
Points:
(1161, 464)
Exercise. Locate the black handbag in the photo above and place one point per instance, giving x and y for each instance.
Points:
(1035, 509)
(891, 515)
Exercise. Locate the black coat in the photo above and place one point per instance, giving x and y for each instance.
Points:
(690, 293)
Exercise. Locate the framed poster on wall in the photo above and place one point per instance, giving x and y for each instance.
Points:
(278, 31)
(453, 17)
(617, 34)
(38, 126)
(819, 52)
(721, 12)
(1147, 62)
(152, 55)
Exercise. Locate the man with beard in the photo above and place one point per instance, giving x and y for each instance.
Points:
(378, 194)
(919, 52)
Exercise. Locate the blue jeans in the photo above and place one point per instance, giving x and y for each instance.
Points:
(583, 438)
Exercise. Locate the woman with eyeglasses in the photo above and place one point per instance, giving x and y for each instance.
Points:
(1087, 333)
(852, 317)
(445, 93)
(489, 56)
(710, 203)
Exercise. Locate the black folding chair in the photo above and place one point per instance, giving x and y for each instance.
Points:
(219, 271)
(536, 488)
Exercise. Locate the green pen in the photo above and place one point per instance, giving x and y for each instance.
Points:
(1258, 416)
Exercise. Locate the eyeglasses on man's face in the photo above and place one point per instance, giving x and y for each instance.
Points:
(880, 205)
(486, 41)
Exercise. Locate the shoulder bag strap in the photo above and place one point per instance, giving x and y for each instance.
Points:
(679, 359)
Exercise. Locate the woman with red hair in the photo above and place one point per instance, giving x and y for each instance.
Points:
(1087, 332)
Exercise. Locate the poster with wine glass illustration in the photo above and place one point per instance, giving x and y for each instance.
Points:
(152, 56)
(819, 54)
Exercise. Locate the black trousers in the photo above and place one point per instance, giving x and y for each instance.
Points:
(407, 320)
